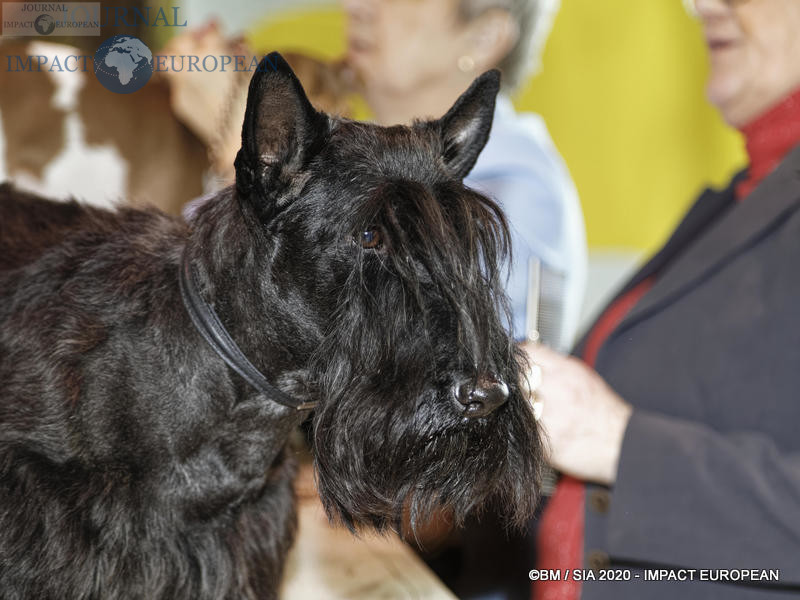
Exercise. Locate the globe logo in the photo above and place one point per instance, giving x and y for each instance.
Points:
(44, 24)
(123, 64)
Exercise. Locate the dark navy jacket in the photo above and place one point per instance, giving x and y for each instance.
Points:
(709, 475)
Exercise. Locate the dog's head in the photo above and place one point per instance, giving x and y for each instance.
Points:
(388, 269)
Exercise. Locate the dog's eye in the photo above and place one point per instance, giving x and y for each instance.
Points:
(371, 239)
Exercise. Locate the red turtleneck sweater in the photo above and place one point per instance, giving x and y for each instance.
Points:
(768, 138)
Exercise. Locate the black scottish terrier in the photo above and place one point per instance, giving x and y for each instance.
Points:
(150, 371)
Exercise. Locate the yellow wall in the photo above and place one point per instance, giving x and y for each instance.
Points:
(320, 32)
(622, 91)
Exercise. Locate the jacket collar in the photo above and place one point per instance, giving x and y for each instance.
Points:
(725, 236)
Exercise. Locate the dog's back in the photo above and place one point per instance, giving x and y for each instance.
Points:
(30, 224)
(94, 344)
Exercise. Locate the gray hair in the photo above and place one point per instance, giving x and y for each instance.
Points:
(534, 19)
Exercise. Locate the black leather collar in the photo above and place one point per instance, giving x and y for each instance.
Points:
(213, 331)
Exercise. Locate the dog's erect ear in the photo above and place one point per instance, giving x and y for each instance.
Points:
(466, 126)
(281, 128)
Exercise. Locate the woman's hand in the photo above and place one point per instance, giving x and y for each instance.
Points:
(583, 418)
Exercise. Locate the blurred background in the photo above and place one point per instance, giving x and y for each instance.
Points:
(621, 90)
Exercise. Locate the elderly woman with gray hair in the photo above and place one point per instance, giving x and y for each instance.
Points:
(412, 59)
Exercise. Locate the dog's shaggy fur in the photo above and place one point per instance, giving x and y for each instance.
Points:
(351, 266)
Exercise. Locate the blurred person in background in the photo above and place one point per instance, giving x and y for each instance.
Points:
(677, 431)
(412, 59)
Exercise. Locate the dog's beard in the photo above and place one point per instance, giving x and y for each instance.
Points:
(383, 457)
(390, 443)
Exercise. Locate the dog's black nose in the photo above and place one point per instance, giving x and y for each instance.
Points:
(481, 397)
